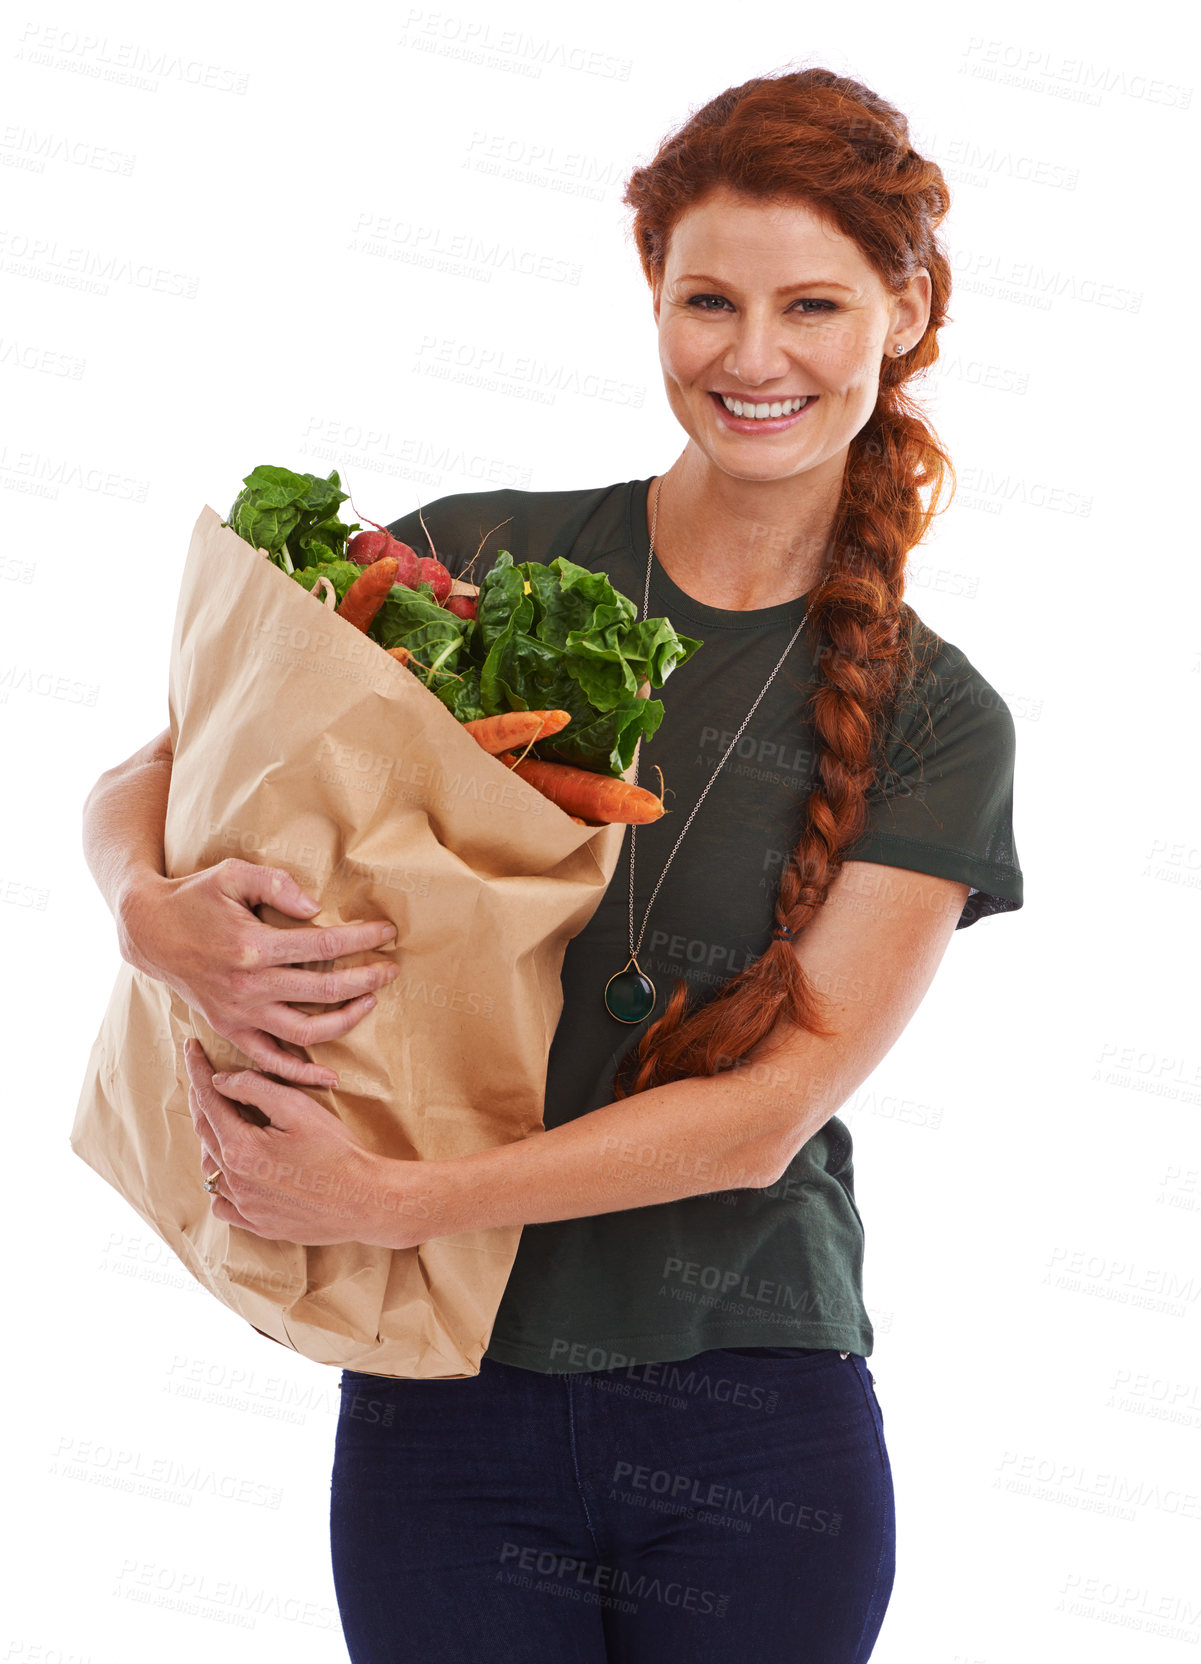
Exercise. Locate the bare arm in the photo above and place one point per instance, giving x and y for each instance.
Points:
(123, 822)
(873, 950)
(201, 936)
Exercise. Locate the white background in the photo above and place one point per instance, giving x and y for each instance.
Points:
(1027, 1156)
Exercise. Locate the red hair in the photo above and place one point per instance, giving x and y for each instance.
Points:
(830, 143)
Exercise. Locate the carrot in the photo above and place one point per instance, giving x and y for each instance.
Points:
(400, 654)
(597, 797)
(515, 728)
(368, 592)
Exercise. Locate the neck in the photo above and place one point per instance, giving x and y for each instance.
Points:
(744, 544)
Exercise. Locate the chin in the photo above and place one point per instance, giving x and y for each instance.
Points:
(734, 461)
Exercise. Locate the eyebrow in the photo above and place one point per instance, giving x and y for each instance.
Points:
(787, 289)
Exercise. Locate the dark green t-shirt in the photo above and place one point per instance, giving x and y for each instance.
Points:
(733, 1267)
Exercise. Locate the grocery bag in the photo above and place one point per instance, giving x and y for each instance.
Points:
(299, 743)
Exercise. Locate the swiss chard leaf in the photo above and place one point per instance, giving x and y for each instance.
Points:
(503, 602)
(437, 639)
(554, 637)
(341, 573)
(547, 637)
(277, 507)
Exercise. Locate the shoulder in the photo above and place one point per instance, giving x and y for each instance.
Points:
(531, 525)
(945, 702)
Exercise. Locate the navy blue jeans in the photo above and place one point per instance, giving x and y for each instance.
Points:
(735, 1505)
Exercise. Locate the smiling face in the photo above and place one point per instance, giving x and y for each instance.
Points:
(772, 330)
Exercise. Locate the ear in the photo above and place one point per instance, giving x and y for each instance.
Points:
(912, 309)
(656, 297)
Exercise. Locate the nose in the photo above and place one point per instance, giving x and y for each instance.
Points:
(756, 354)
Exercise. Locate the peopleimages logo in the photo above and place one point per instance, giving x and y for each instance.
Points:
(612, 1580)
(688, 1494)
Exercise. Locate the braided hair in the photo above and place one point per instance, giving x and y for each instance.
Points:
(826, 141)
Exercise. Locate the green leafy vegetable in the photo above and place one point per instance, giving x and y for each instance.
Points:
(555, 637)
(293, 516)
(341, 573)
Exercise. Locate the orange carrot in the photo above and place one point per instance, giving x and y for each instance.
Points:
(515, 728)
(368, 592)
(400, 654)
(596, 797)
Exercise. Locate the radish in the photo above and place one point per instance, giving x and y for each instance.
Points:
(432, 572)
(463, 606)
(407, 573)
(365, 548)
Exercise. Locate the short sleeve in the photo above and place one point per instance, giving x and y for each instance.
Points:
(944, 803)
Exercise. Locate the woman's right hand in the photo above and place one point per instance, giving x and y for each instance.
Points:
(201, 937)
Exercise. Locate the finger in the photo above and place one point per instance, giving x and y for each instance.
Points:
(208, 1110)
(201, 1122)
(281, 1104)
(305, 1029)
(326, 987)
(277, 945)
(210, 1160)
(263, 1051)
(227, 1212)
(246, 882)
(261, 1048)
(196, 1058)
(200, 1075)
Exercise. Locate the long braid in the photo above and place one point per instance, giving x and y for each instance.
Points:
(820, 138)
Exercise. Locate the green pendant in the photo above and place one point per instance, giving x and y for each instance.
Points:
(630, 996)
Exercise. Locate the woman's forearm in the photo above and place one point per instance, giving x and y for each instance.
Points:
(123, 821)
(685, 1139)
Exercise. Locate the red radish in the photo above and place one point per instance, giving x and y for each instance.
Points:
(463, 606)
(408, 563)
(411, 571)
(366, 547)
(432, 572)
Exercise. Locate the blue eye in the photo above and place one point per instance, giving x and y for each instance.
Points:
(715, 303)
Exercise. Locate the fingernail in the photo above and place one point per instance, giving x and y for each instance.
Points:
(307, 901)
(369, 1002)
(220, 1080)
(331, 1080)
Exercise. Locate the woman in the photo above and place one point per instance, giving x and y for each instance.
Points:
(673, 1449)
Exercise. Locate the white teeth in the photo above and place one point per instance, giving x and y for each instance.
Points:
(785, 407)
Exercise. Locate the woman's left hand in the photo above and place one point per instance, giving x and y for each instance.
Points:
(304, 1178)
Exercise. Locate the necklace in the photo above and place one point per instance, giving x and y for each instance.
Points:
(630, 995)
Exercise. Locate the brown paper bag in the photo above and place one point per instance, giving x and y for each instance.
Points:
(299, 743)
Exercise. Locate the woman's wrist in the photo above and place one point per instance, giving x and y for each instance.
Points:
(140, 890)
(406, 1202)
